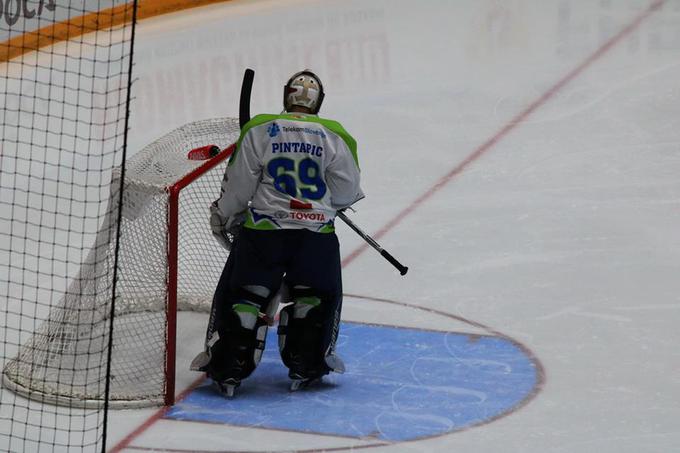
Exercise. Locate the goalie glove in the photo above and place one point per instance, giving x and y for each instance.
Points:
(225, 229)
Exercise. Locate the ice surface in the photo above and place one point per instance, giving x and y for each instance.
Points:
(563, 234)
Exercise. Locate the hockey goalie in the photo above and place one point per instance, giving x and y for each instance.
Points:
(285, 182)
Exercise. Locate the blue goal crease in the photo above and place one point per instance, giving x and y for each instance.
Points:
(401, 384)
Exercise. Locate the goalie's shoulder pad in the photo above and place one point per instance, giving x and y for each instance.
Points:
(257, 120)
(337, 128)
(260, 119)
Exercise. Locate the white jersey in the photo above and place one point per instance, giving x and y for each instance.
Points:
(291, 171)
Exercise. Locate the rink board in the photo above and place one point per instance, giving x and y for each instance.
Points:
(400, 384)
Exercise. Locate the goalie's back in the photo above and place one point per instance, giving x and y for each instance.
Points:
(296, 169)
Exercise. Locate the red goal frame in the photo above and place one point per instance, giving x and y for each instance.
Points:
(173, 253)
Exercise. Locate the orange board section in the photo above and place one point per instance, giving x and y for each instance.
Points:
(106, 18)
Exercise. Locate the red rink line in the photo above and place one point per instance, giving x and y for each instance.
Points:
(476, 154)
(160, 413)
(512, 124)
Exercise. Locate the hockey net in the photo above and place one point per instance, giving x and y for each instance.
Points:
(167, 260)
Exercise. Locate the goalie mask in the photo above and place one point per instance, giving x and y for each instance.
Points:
(304, 89)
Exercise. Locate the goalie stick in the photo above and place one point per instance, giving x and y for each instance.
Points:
(244, 117)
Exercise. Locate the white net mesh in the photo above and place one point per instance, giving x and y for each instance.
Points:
(57, 365)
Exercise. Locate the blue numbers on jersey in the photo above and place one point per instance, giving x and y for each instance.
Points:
(314, 186)
(280, 169)
(305, 182)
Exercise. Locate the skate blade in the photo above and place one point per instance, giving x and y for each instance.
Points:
(228, 390)
(227, 387)
(299, 384)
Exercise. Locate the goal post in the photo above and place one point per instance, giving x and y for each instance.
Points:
(173, 255)
(167, 261)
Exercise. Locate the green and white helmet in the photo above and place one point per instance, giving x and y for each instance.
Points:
(303, 89)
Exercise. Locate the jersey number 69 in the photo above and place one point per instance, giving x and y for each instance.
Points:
(304, 182)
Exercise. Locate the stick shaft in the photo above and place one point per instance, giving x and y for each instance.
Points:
(244, 100)
(372, 242)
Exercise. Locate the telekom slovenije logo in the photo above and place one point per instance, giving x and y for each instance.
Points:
(273, 130)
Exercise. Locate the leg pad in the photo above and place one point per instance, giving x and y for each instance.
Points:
(236, 346)
(302, 330)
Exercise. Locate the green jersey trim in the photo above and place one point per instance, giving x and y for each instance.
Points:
(245, 308)
(261, 224)
(255, 121)
(327, 228)
(331, 125)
